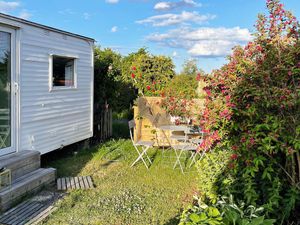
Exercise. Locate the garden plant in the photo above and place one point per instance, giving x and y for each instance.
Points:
(252, 112)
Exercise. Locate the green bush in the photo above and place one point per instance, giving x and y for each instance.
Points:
(210, 168)
(183, 86)
(225, 211)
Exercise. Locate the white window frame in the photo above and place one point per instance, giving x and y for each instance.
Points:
(51, 86)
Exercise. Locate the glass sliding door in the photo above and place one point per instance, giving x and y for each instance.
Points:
(6, 140)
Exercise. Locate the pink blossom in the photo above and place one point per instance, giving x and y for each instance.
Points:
(234, 156)
(252, 141)
(234, 148)
(208, 92)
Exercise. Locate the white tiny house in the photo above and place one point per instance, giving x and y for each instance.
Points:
(46, 87)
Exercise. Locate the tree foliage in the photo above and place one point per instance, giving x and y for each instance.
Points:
(109, 88)
(190, 68)
(147, 73)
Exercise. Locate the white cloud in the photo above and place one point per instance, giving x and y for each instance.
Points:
(67, 12)
(24, 14)
(174, 5)
(204, 41)
(114, 29)
(112, 1)
(8, 6)
(174, 54)
(174, 19)
(86, 16)
(162, 6)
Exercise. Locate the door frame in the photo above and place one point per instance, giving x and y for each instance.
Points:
(14, 90)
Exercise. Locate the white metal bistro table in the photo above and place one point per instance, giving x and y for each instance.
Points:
(181, 147)
(172, 128)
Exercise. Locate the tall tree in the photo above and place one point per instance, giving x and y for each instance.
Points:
(190, 68)
(109, 86)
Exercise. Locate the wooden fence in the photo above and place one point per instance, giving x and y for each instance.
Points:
(102, 123)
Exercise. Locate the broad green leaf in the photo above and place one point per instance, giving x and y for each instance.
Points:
(257, 221)
(202, 216)
(195, 218)
(269, 222)
(244, 222)
(213, 212)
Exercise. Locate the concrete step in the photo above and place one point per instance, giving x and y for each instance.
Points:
(27, 184)
(21, 163)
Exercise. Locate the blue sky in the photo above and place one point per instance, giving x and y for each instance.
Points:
(204, 30)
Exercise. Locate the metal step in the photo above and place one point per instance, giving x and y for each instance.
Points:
(27, 184)
(21, 163)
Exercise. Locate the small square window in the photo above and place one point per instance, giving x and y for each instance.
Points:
(63, 71)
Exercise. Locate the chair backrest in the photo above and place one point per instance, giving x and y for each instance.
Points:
(131, 125)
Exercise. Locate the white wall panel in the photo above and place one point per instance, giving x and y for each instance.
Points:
(53, 119)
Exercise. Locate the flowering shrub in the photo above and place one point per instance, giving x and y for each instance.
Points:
(178, 95)
(149, 74)
(252, 108)
(175, 106)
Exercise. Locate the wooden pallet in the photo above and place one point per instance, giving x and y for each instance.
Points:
(31, 211)
(68, 183)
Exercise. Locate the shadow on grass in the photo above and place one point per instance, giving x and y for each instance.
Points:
(173, 221)
(111, 161)
(153, 156)
(70, 160)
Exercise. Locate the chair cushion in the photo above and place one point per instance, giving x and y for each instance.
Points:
(144, 143)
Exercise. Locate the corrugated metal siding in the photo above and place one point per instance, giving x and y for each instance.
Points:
(50, 120)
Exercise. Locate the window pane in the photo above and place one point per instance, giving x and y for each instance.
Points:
(5, 92)
(63, 71)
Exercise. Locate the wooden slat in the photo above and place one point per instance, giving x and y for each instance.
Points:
(35, 214)
(63, 184)
(68, 183)
(30, 215)
(42, 215)
(10, 219)
(102, 123)
(86, 183)
(27, 212)
(13, 211)
(31, 211)
(77, 183)
(58, 184)
(90, 182)
(81, 183)
(72, 183)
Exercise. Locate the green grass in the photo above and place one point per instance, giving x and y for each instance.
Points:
(123, 195)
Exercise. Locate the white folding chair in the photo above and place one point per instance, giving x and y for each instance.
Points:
(182, 146)
(145, 145)
(179, 149)
(201, 154)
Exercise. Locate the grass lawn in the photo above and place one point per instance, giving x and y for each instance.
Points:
(123, 195)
